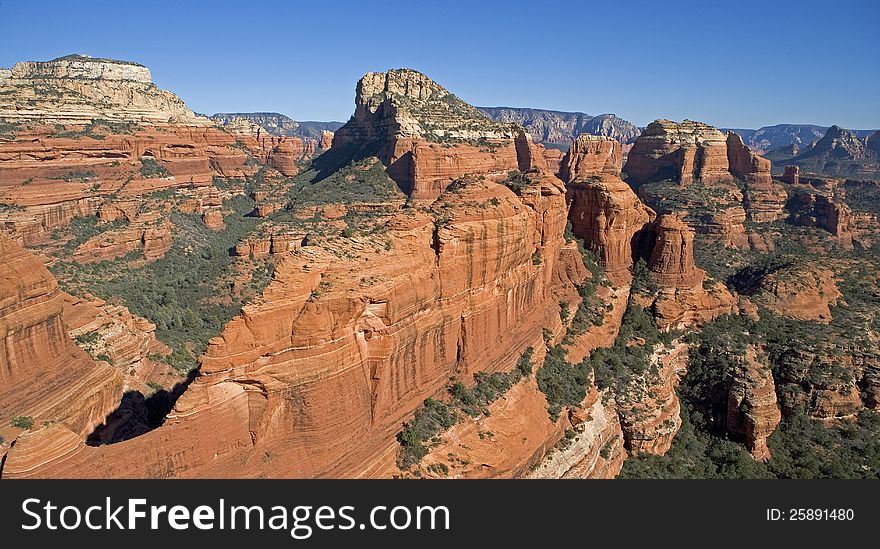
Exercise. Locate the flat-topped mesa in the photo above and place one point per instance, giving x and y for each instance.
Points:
(591, 155)
(77, 88)
(275, 123)
(686, 151)
(672, 258)
(427, 137)
(83, 66)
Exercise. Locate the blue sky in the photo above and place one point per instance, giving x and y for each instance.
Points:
(733, 64)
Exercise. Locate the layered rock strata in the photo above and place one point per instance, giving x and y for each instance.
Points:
(316, 379)
(44, 376)
(590, 155)
(427, 137)
(686, 152)
(752, 412)
(608, 216)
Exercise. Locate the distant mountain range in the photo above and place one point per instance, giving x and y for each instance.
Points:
(279, 124)
(560, 128)
(763, 140)
(839, 152)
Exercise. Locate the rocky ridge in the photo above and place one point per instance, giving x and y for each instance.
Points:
(562, 128)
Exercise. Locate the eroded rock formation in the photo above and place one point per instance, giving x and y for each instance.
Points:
(384, 346)
(44, 376)
(427, 137)
(83, 130)
(686, 152)
(752, 412)
(608, 216)
(672, 260)
(590, 155)
(803, 292)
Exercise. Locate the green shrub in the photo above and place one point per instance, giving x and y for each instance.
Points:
(151, 169)
(563, 384)
(431, 419)
(88, 338)
(524, 364)
(516, 181)
(438, 469)
(22, 422)
(177, 292)
(77, 176)
(642, 283)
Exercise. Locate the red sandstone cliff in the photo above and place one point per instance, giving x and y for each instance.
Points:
(43, 374)
(590, 155)
(427, 137)
(607, 215)
(752, 412)
(686, 152)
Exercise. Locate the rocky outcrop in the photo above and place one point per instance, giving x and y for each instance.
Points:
(595, 448)
(752, 412)
(791, 175)
(685, 152)
(689, 152)
(766, 203)
(43, 374)
(147, 233)
(76, 89)
(825, 383)
(649, 408)
(427, 137)
(672, 259)
(802, 292)
(726, 227)
(746, 165)
(326, 140)
(608, 216)
(682, 308)
(763, 200)
(284, 154)
(553, 159)
(590, 155)
(815, 209)
(125, 341)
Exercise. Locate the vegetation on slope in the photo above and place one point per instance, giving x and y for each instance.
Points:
(435, 416)
(184, 292)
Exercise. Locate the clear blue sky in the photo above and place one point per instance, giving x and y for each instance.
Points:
(740, 63)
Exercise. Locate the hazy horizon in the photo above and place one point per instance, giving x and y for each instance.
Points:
(300, 60)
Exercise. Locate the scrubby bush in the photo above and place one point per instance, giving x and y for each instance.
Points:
(22, 422)
(431, 419)
(151, 169)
